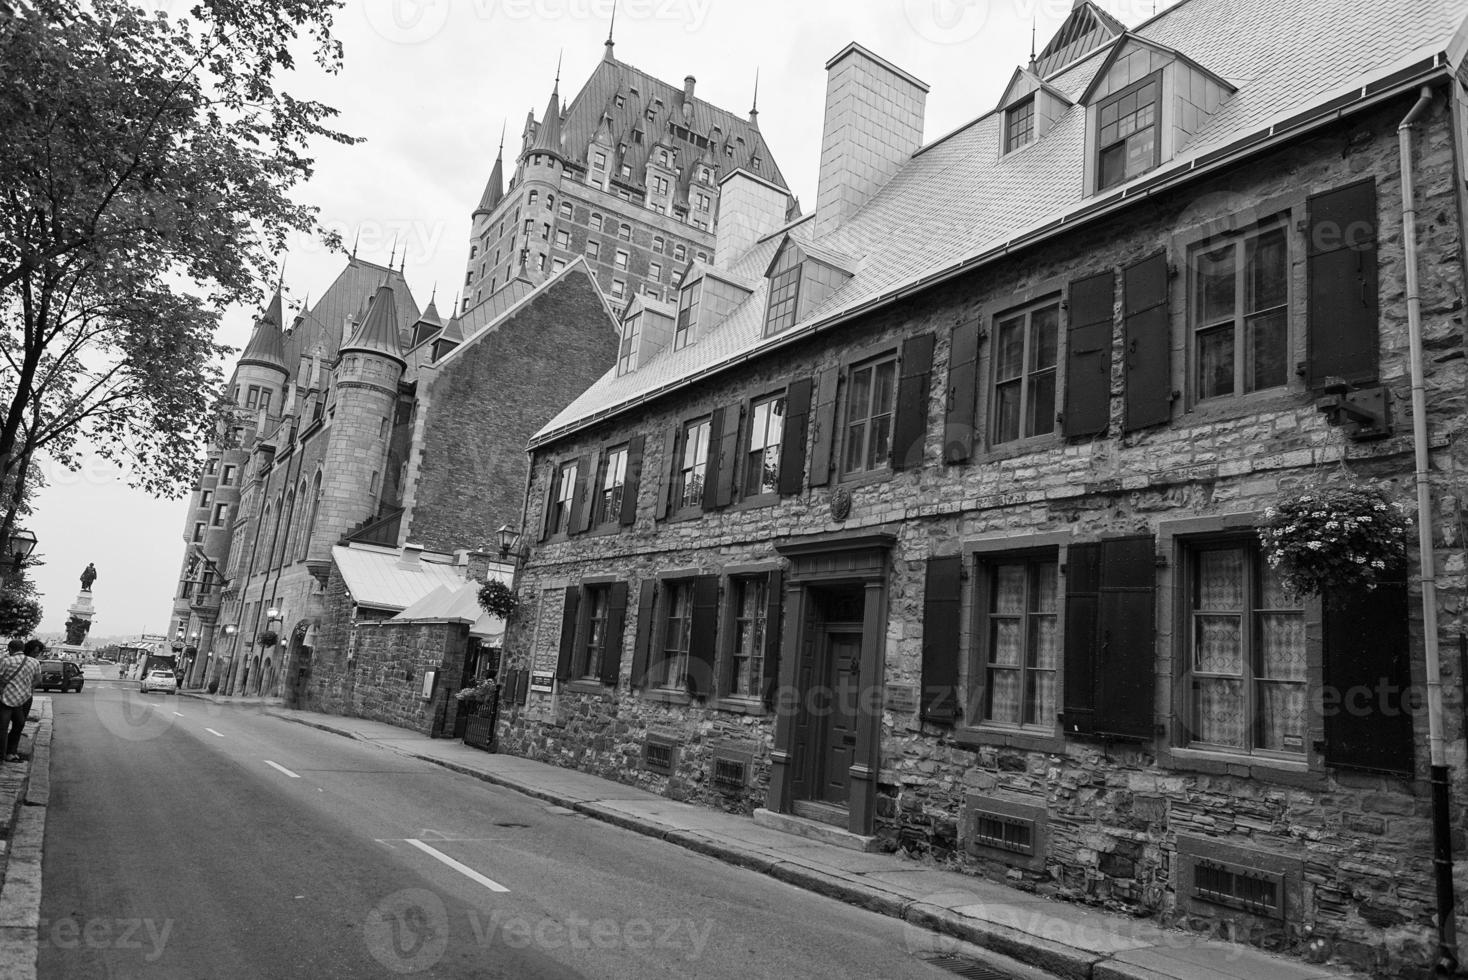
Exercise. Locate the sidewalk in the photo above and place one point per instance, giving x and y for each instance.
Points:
(1069, 940)
(25, 790)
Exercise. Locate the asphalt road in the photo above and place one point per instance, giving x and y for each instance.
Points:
(185, 839)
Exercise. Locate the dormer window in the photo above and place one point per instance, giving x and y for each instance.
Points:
(784, 292)
(620, 101)
(1019, 125)
(663, 157)
(1126, 134)
(627, 353)
(687, 314)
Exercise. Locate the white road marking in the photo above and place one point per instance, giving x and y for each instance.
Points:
(462, 869)
(213, 732)
(276, 765)
(179, 713)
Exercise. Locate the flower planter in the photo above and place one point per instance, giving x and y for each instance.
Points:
(1336, 541)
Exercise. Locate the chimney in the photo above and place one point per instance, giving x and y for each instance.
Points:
(688, 81)
(874, 123)
(750, 208)
(412, 553)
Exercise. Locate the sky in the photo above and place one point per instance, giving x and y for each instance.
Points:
(428, 84)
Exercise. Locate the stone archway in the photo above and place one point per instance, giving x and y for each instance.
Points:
(295, 669)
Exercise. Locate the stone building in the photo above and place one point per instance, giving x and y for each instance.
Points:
(371, 423)
(930, 518)
(626, 175)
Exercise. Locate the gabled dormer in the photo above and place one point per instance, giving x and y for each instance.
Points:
(1142, 107)
(1029, 108)
(707, 297)
(647, 328)
(802, 275)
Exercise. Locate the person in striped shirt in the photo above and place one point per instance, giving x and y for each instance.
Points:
(19, 671)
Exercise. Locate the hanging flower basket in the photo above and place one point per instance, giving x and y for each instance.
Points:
(1328, 541)
(268, 638)
(498, 599)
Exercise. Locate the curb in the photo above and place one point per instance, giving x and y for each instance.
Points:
(20, 899)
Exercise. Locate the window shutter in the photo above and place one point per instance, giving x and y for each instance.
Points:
(550, 499)
(958, 427)
(824, 436)
(642, 644)
(910, 426)
(580, 499)
(940, 639)
(1365, 657)
(1341, 266)
(1082, 602)
(665, 477)
(628, 515)
(522, 686)
(792, 437)
(611, 654)
(708, 498)
(728, 455)
(1127, 648)
(703, 635)
(1145, 332)
(774, 602)
(1088, 356)
(568, 633)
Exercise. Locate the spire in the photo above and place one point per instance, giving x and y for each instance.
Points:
(266, 347)
(754, 106)
(548, 140)
(494, 188)
(608, 55)
(1032, 43)
(378, 333)
(356, 238)
(394, 254)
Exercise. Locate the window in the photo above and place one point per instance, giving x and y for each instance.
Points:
(655, 271)
(702, 255)
(784, 292)
(762, 455)
(751, 627)
(550, 202)
(868, 430)
(593, 248)
(211, 467)
(599, 160)
(540, 263)
(545, 233)
(619, 289)
(626, 170)
(563, 239)
(692, 465)
(529, 228)
(530, 202)
(679, 253)
(595, 221)
(198, 532)
(227, 479)
(659, 185)
(1127, 142)
(1019, 124)
(687, 314)
(221, 514)
(663, 157)
(595, 635)
(1240, 296)
(382, 425)
(258, 398)
(1021, 642)
(621, 101)
(206, 498)
(671, 670)
(620, 259)
(1246, 654)
(625, 233)
(701, 201)
(1024, 371)
(657, 243)
(557, 265)
(561, 499)
(473, 251)
(609, 494)
(565, 211)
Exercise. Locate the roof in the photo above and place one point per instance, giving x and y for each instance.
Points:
(458, 604)
(322, 324)
(958, 204)
(494, 188)
(378, 332)
(378, 578)
(266, 346)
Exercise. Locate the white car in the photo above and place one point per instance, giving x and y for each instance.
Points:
(159, 680)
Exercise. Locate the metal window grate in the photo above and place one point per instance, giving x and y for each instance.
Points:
(1006, 833)
(729, 775)
(1240, 888)
(657, 757)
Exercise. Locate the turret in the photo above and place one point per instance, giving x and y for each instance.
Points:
(260, 375)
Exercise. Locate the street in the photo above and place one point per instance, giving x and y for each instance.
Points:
(187, 839)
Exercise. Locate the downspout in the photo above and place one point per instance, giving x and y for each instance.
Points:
(1442, 848)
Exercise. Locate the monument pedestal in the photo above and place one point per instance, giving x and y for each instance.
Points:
(79, 619)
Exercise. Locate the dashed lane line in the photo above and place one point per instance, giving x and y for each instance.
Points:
(276, 765)
(463, 869)
(213, 732)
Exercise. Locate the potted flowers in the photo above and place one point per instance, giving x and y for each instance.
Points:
(269, 638)
(1329, 541)
(498, 599)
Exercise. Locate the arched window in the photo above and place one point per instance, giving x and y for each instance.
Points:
(274, 539)
(315, 509)
(303, 509)
(288, 518)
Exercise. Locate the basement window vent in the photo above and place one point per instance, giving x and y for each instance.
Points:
(1006, 833)
(1248, 889)
(658, 757)
(729, 775)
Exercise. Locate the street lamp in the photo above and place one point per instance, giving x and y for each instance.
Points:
(18, 548)
(509, 537)
(272, 615)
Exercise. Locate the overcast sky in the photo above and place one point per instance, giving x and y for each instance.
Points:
(428, 84)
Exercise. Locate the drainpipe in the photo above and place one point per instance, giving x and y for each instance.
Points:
(1442, 849)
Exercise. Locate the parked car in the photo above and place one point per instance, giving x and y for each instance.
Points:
(159, 680)
(61, 675)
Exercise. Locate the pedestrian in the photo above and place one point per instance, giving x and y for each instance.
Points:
(18, 718)
(18, 674)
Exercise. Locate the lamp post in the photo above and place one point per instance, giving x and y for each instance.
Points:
(509, 537)
(17, 550)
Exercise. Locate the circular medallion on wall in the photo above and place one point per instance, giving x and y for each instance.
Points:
(840, 504)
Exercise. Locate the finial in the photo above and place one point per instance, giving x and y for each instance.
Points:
(503, 124)
(1032, 42)
(754, 107)
(394, 254)
(557, 87)
(356, 238)
(610, 28)
(280, 278)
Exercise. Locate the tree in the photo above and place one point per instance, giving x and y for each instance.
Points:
(148, 162)
(19, 613)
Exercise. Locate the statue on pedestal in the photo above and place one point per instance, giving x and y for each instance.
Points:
(89, 575)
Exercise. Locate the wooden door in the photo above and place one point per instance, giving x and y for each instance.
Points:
(836, 704)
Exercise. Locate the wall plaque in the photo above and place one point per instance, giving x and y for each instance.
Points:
(901, 698)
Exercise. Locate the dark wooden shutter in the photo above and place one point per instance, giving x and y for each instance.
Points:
(939, 698)
(792, 437)
(1148, 342)
(823, 438)
(580, 499)
(727, 452)
(522, 686)
(1367, 677)
(568, 633)
(628, 515)
(958, 413)
(910, 426)
(1126, 669)
(1343, 277)
(611, 654)
(1088, 356)
(546, 521)
(643, 641)
(703, 635)
(1082, 605)
(665, 475)
(774, 602)
(710, 493)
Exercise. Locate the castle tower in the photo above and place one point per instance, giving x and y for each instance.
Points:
(540, 170)
(260, 375)
(366, 375)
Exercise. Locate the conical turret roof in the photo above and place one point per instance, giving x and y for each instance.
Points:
(548, 139)
(378, 332)
(431, 315)
(266, 347)
(494, 188)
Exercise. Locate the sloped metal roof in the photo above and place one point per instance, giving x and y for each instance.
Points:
(378, 578)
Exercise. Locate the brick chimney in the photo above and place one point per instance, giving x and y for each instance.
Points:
(874, 123)
(750, 207)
